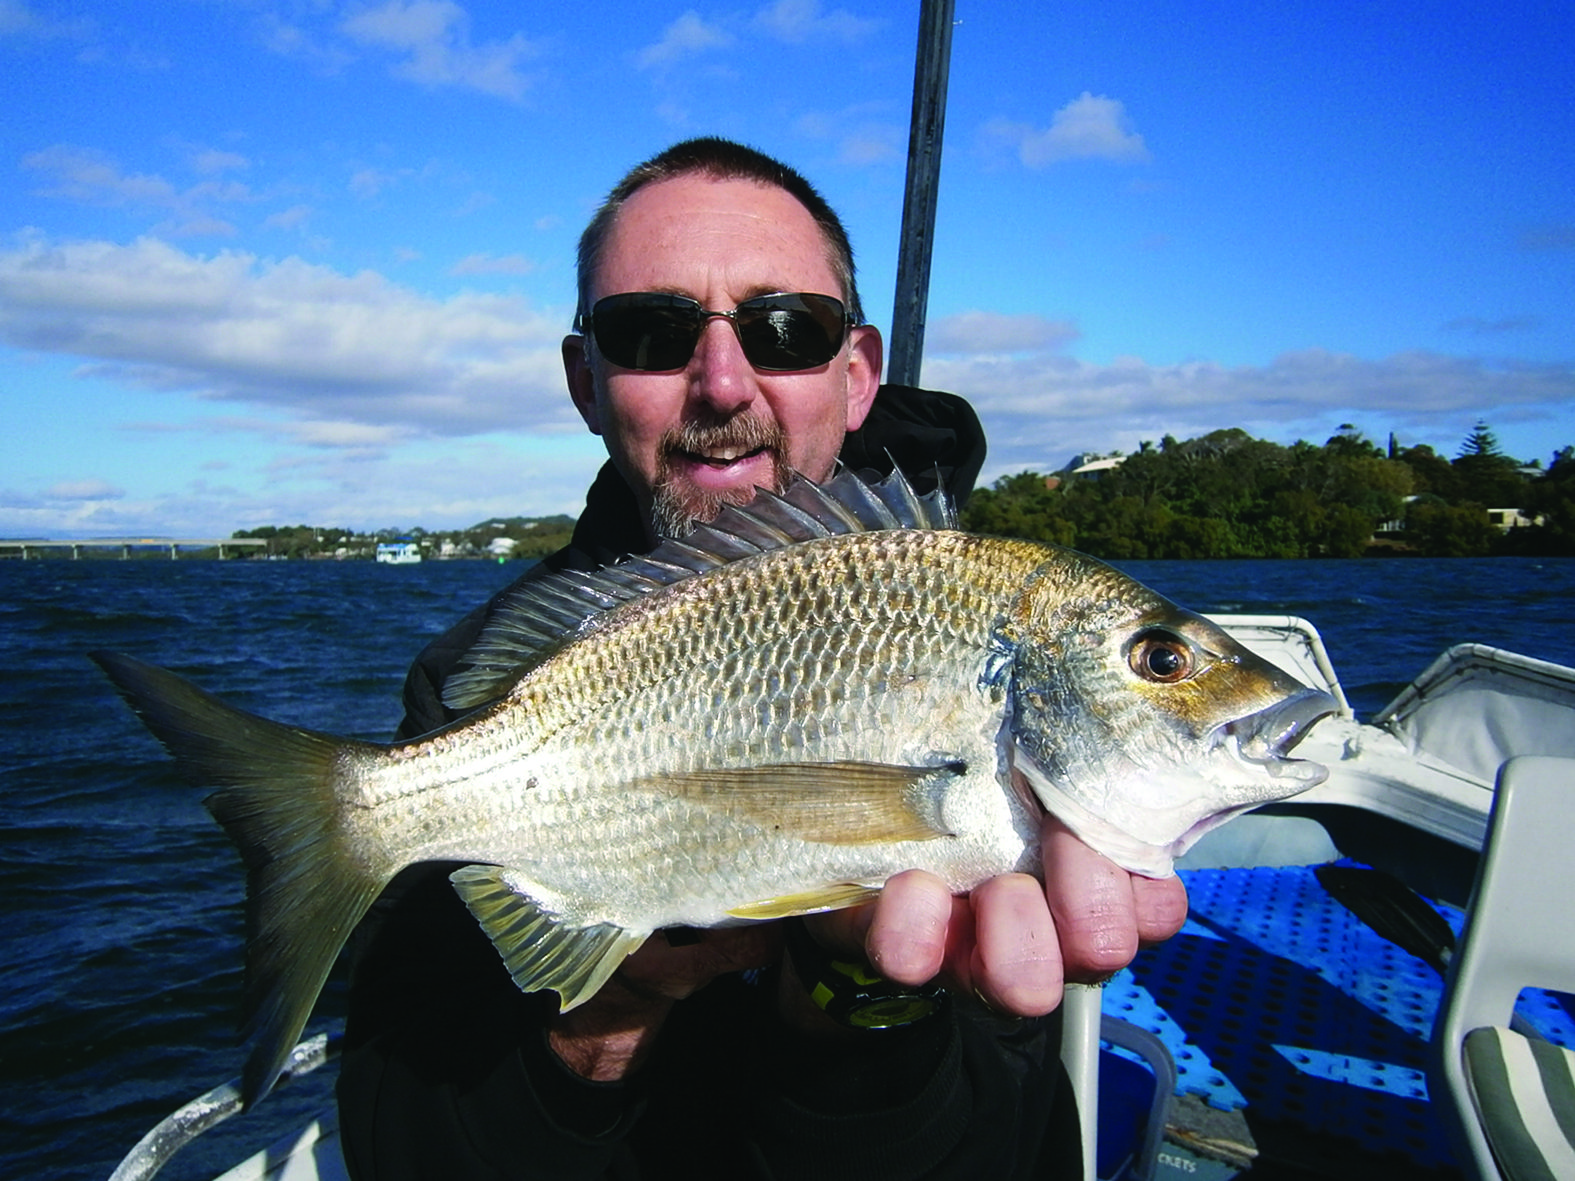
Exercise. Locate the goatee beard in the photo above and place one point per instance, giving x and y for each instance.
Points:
(677, 506)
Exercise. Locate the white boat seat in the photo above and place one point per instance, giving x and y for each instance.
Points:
(1510, 1098)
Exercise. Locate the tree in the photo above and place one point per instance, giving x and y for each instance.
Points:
(1227, 495)
(1451, 530)
(1487, 476)
(1481, 441)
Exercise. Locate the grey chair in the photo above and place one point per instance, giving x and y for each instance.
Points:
(1511, 1097)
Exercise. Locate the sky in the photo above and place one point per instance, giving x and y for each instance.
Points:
(310, 261)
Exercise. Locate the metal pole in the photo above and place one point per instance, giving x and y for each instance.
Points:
(926, 128)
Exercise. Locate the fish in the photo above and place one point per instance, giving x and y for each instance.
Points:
(767, 718)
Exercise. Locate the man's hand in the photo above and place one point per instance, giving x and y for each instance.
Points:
(1013, 942)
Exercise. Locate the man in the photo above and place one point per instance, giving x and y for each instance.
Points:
(706, 381)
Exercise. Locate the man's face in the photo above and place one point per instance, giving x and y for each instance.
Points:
(692, 439)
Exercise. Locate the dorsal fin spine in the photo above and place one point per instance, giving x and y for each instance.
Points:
(532, 620)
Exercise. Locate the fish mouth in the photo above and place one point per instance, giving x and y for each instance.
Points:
(1264, 740)
(1267, 737)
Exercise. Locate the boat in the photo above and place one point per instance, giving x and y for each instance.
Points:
(398, 553)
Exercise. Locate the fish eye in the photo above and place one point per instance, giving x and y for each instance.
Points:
(1161, 657)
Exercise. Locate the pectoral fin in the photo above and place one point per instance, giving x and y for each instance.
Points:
(539, 950)
(811, 901)
(841, 803)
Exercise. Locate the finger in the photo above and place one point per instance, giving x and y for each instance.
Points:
(1091, 899)
(906, 939)
(1161, 907)
(1016, 956)
(842, 931)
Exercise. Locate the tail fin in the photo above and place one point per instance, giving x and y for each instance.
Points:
(305, 887)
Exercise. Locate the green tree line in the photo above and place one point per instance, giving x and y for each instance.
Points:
(1229, 495)
(533, 537)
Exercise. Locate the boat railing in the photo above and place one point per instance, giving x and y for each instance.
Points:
(183, 1126)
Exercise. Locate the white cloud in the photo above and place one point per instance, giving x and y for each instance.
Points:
(992, 332)
(863, 132)
(293, 218)
(324, 346)
(92, 177)
(493, 264)
(216, 160)
(434, 37)
(88, 175)
(1480, 326)
(1552, 236)
(83, 490)
(871, 145)
(18, 19)
(801, 21)
(685, 37)
(299, 43)
(367, 183)
(1090, 127)
(466, 482)
(1039, 409)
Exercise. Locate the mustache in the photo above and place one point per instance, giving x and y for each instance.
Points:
(677, 507)
(744, 434)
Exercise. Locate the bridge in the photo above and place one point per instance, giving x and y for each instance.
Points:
(30, 547)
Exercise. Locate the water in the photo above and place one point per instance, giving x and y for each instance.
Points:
(120, 960)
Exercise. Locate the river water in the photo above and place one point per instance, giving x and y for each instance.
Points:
(120, 926)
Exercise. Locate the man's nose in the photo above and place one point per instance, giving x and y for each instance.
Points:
(719, 373)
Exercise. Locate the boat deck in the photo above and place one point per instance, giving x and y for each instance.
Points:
(1276, 1001)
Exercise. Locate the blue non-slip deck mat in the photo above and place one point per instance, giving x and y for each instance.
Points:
(1276, 998)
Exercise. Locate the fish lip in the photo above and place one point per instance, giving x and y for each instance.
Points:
(1268, 736)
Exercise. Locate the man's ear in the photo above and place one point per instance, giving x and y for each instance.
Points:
(864, 366)
(582, 386)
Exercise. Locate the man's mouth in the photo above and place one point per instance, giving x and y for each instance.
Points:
(701, 468)
(719, 447)
(722, 456)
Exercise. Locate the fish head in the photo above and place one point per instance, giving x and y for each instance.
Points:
(1141, 725)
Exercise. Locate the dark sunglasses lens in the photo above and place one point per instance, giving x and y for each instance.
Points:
(655, 332)
(647, 332)
(788, 332)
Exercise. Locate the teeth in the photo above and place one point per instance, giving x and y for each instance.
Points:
(721, 454)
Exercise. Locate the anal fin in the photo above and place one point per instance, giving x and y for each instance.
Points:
(809, 902)
(539, 950)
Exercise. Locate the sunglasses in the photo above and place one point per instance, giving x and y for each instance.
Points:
(654, 332)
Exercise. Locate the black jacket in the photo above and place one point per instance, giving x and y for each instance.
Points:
(446, 1072)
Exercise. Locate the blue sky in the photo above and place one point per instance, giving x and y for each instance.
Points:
(268, 262)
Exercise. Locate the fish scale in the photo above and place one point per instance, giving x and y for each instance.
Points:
(768, 719)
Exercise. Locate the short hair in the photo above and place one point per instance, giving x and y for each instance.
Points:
(720, 159)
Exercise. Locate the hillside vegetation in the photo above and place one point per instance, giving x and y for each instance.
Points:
(1229, 495)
